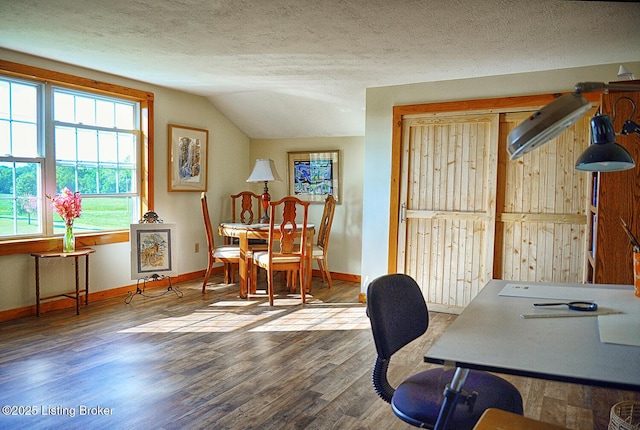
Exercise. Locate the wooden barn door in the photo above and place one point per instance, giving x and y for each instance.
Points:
(542, 207)
(447, 206)
(468, 214)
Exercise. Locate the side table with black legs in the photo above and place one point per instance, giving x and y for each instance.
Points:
(72, 295)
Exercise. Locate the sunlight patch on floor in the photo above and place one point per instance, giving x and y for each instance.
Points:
(213, 287)
(309, 319)
(202, 322)
(287, 314)
(291, 300)
(234, 303)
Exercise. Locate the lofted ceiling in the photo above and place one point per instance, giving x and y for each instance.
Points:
(300, 68)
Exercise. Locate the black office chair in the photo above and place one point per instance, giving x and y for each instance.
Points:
(399, 315)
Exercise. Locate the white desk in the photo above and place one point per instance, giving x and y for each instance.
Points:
(490, 335)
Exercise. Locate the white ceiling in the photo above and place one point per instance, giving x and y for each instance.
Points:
(299, 68)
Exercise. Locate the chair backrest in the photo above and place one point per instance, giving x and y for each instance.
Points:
(245, 207)
(397, 312)
(327, 220)
(207, 222)
(284, 215)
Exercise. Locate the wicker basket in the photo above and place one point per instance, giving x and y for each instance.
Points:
(625, 416)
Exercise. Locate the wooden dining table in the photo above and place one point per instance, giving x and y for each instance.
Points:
(245, 232)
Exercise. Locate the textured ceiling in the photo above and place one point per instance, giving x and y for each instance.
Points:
(299, 68)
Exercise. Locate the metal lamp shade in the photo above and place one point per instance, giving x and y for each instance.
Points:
(604, 154)
(547, 123)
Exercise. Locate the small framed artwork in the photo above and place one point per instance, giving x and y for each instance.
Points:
(314, 175)
(153, 250)
(188, 160)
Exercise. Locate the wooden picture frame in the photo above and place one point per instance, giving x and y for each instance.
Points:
(188, 158)
(153, 250)
(313, 175)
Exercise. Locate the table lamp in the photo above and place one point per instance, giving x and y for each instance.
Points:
(264, 171)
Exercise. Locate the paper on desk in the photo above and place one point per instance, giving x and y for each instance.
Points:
(622, 329)
(547, 292)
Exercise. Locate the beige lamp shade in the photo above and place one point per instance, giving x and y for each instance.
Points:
(264, 171)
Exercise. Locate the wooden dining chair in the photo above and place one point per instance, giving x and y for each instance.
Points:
(229, 255)
(321, 248)
(283, 253)
(245, 207)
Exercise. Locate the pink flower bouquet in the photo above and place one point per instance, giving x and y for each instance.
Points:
(67, 204)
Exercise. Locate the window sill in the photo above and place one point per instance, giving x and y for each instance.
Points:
(27, 246)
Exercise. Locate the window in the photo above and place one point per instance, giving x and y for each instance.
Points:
(96, 152)
(20, 159)
(61, 131)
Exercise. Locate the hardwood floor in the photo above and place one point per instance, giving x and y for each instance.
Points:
(215, 361)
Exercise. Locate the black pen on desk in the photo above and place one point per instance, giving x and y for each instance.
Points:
(632, 238)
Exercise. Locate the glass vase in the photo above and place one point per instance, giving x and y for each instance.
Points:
(68, 240)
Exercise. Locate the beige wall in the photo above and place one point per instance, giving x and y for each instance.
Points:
(345, 241)
(378, 136)
(229, 165)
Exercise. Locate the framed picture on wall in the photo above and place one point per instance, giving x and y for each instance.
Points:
(313, 175)
(153, 250)
(188, 160)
